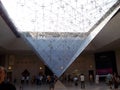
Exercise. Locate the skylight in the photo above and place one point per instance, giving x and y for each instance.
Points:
(56, 15)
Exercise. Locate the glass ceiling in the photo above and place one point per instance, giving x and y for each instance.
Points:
(56, 15)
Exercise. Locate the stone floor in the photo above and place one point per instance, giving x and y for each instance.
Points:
(70, 86)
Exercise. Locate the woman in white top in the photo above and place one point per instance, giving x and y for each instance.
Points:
(97, 79)
(82, 80)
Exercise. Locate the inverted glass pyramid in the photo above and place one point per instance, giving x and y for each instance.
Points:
(56, 52)
(56, 28)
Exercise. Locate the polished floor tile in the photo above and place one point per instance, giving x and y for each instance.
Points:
(68, 86)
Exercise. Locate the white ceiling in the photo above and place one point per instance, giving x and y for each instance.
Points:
(107, 39)
(9, 42)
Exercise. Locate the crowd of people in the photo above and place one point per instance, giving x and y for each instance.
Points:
(40, 80)
(113, 80)
(76, 79)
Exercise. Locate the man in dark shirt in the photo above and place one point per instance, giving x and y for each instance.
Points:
(5, 85)
(51, 81)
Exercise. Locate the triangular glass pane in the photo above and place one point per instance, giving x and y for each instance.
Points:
(56, 52)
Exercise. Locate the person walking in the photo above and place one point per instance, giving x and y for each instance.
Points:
(116, 81)
(109, 80)
(51, 81)
(97, 79)
(82, 80)
(75, 79)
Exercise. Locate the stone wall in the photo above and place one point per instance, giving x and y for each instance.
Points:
(34, 65)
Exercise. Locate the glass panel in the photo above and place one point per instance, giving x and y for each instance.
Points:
(56, 15)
